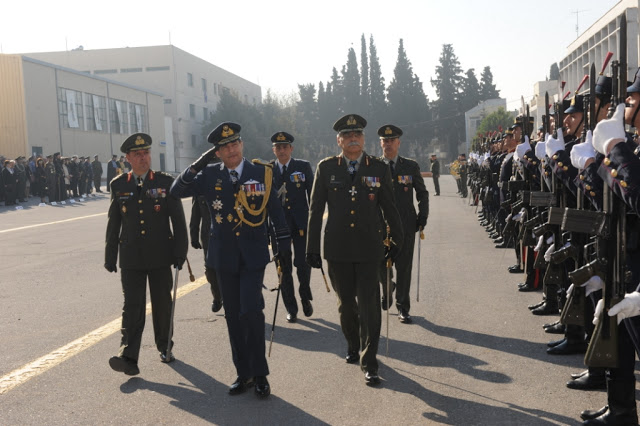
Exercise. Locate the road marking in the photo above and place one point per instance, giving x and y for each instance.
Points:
(52, 223)
(43, 364)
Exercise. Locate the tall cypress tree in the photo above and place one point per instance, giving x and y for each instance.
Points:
(449, 122)
(364, 85)
(470, 96)
(377, 100)
(351, 79)
(487, 88)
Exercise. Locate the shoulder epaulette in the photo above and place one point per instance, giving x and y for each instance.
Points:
(262, 162)
(120, 176)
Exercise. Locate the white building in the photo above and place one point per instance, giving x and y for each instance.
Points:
(475, 115)
(602, 37)
(536, 104)
(191, 87)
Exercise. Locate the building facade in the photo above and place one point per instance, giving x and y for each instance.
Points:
(191, 87)
(474, 117)
(47, 108)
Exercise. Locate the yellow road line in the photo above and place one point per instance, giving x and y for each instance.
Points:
(52, 223)
(43, 364)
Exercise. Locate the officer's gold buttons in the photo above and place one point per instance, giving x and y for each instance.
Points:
(587, 187)
(565, 168)
(235, 220)
(141, 211)
(139, 201)
(535, 163)
(237, 234)
(606, 161)
(593, 194)
(623, 184)
(353, 225)
(142, 221)
(289, 207)
(353, 198)
(560, 163)
(143, 232)
(546, 173)
(581, 177)
(353, 212)
(614, 173)
(286, 199)
(555, 156)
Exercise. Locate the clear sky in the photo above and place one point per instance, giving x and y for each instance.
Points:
(279, 44)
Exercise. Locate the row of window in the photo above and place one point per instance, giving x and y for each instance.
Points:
(125, 70)
(86, 111)
(217, 87)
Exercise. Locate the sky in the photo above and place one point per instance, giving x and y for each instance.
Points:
(280, 44)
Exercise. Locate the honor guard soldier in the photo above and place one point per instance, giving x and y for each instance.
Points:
(240, 196)
(406, 177)
(354, 186)
(435, 172)
(147, 226)
(293, 179)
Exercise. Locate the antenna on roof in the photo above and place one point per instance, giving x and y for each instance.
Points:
(577, 12)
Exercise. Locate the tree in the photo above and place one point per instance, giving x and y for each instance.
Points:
(554, 72)
(364, 85)
(351, 84)
(449, 125)
(377, 100)
(495, 121)
(487, 88)
(470, 96)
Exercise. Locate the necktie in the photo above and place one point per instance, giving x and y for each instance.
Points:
(284, 172)
(234, 176)
(393, 167)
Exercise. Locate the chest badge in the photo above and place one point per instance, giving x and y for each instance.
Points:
(217, 205)
(372, 196)
(156, 207)
(230, 217)
(124, 209)
(218, 218)
(353, 191)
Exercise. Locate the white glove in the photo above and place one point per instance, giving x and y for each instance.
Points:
(523, 148)
(610, 131)
(581, 152)
(540, 243)
(516, 156)
(554, 145)
(508, 218)
(594, 283)
(569, 291)
(627, 307)
(551, 239)
(520, 216)
(598, 312)
(549, 252)
(540, 151)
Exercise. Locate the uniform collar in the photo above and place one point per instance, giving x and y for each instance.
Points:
(280, 165)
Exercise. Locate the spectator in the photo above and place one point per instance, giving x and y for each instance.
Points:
(10, 181)
(96, 167)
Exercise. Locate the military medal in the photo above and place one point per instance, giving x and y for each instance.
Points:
(218, 218)
(124, 209)
(230, 217)
(156, 207)
(353, 191)
(217, 205)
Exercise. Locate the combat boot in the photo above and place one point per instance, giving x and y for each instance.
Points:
(622, 410)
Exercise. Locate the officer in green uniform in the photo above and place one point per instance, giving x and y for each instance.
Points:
(147, 225)
(354, 186)
(406, 177)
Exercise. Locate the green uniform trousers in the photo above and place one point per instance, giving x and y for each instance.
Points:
(404, 267)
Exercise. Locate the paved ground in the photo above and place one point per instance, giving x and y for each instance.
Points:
(474, 355)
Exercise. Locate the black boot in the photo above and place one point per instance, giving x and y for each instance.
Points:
(593, 380)
(558, 328)
(550, 305)
(621, 396)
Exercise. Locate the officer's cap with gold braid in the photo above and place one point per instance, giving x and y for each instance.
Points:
(389, 131)
(281, 137)
(225, 133)
(350, 123)
(136, 142)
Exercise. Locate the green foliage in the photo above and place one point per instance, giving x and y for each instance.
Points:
(554, 72)
(495, 121)
(487, 88)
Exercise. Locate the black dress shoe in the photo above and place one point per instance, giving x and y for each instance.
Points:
(494, 235)
(589, 382)
(549, 324)
(592, 414)
(307, 308)
(556, 329)
(580, 374)
(263, 389)
(498, 240)
(352, 357)
(537, 305)
(527, 287)
(515, 269)
(545, 309)
(502, 245)
(555, 343)
(240, 385)
(404, 316)
(125, 365)
(371, 378)
(292, 318)
(165, 359)
(568, 348)
(216, 305)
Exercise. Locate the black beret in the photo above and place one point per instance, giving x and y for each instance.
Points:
(136, 142)
(389, 131)
(350, 123)
(281, 137)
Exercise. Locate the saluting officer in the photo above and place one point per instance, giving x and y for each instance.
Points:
(147, 226)
(240, 196)
(406, 177)
(354, 186)
(293, 179)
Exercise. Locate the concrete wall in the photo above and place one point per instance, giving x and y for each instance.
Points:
(13, 123)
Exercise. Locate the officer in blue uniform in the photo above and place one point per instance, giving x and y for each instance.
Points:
(293, 179)
(240, 195)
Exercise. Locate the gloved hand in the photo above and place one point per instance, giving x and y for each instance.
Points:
(110, 267)
(598, 312)
(522, 148)
(540, 149)
(391, 252)
(178, 263)
(581, 152)
(569, 291)
(594, 283)
(421, 223)
(196, 244)
(549, 252)
(314, 260)
(509, 216)
(609, 132)
(554, 145)
(204, 159)
(538, 246)
(520, 216)
(627, 307)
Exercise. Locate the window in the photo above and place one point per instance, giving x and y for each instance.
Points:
(118, 116)
(204, 85)
(138, 117)
(70, 109)
(192, 111)
(96, 112)
(194, 140)
(167, 101)
(215, 88)
(166, 68)
(112, 71)
(205, 114)
(130, 70)
(189, 79)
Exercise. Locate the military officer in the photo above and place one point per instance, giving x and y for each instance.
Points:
(406, 177)
(147, 226)
(293, 180)
(354, 186)
(435, 173)
(240, 196)
(96, 166)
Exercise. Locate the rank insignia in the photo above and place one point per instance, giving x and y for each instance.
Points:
(218, 218)
(156, 207)
(302, 232)
(230, 217)
(217, 205)
(253, 206)
(124, 209)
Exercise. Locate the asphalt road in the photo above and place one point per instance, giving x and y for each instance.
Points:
(474, 354)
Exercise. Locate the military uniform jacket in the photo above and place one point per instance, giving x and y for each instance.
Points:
(298, 183)
(435, 168)
(406, 179)
(234, 243)
(97, 168)
(146, 224)
(620, 171)
(354, 231)
(200, 213)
